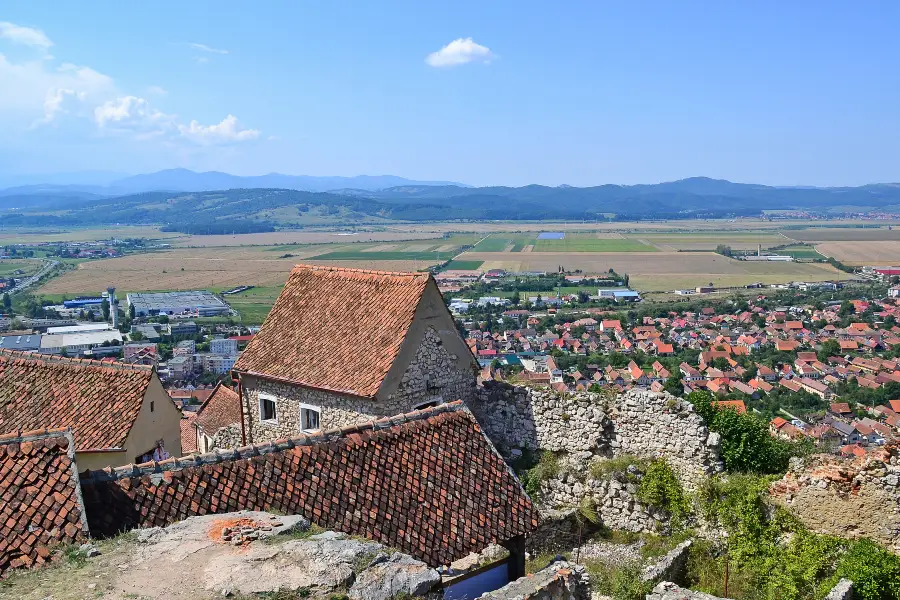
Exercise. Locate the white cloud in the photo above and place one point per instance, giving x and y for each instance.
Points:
(27, 36)
(459, 52)
(76, 100)
(205, 48)
(201, 59)
(229, 130)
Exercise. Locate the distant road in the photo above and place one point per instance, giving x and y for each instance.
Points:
(49, 265)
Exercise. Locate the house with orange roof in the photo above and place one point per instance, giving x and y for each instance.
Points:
(342, 346)
(119, 414)
(736, 405)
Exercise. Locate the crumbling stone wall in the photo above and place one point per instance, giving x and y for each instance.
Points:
(639, 422)
(844, 497)
(559, 581)
(433, 375)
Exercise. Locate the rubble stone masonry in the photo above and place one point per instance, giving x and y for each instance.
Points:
(641, 423)
(433, 375)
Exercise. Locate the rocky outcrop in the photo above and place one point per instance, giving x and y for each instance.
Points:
(842, 591)
(561, 580)
(248, 553)
(844, 497)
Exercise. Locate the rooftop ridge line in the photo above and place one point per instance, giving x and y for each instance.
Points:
(36, 434)
(84, 362)
(269, 447)
(308, 267)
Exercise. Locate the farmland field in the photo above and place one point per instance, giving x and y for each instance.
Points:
(708, 241)
(800, 252)
(464, 265)
(839, 234)
(663, 270)
(9, 266)
(587, 242)
(508, 243)
(859, 253)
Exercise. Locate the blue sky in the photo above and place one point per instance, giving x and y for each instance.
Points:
(582, 93)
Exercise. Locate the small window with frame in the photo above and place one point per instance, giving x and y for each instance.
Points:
(267, 410)
(310, 417)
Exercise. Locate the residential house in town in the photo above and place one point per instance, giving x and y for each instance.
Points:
(119, 413)
(218, 422)
(343, 346)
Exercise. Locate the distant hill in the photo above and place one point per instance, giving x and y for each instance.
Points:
(235, 208)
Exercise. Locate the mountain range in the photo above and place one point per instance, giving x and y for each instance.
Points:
(213, 200)
(102, 183)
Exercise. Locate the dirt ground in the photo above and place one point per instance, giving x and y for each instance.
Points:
(858, 253)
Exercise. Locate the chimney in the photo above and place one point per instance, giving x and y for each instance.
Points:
(113, 308)
(759, 250)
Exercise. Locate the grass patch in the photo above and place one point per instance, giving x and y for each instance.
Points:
(592, 244)
(800, 252)
(464, 265)
(603, 468)
(294, 534)
(621, 582)
(546, 468)
(500, 242)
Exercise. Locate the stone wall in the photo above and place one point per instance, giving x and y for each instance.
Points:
(614, 498)
(846, 498)
(561, 580)
(433, 375)
(639, 423)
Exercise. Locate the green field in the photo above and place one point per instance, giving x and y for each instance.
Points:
(500, 242)
(8, 267)
(253, 305)
(588, 243)
(800, 252)
(464, 265)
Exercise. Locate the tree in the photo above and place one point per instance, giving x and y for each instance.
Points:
(846, 309)
(829, 348)
(104, 308)
(7, 302)
(721, 363)
(131, 311)
(674, 385)
(749, 373)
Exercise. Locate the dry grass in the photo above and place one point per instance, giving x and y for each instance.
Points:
(283, 238)
(842, 234)
(200, 268)
(863, 252)
(35, 236)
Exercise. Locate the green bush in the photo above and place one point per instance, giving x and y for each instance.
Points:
(747, 446)
(660, 489)
(546, 468)
(604, 467)
(875, 572)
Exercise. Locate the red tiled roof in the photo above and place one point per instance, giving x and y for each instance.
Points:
(221, 409)
(428, 483)
(40, 506)
(188, 432)
(99, 401)
(336, 329)
(840, 408)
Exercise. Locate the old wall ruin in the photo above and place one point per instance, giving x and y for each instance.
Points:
(641, 423)
(847, 498)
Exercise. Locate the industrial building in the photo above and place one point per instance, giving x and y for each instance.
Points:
(197, 303)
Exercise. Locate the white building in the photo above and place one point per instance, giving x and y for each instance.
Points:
(77, 343)
(214, 363)
(224, 347)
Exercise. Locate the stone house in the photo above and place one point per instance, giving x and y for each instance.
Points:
(218, 421)
(344, 346)
(119, 414)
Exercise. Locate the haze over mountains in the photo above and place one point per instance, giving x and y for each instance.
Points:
(179, 197)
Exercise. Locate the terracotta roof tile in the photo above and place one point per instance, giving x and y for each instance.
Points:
(99, 401)
(428, 482)
(336, 329)
(221, 409)
(188, 432)
(40, 506)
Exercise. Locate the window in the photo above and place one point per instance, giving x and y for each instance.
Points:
(267, 411)
(151, 405)
(309, 417)
(430, 404)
